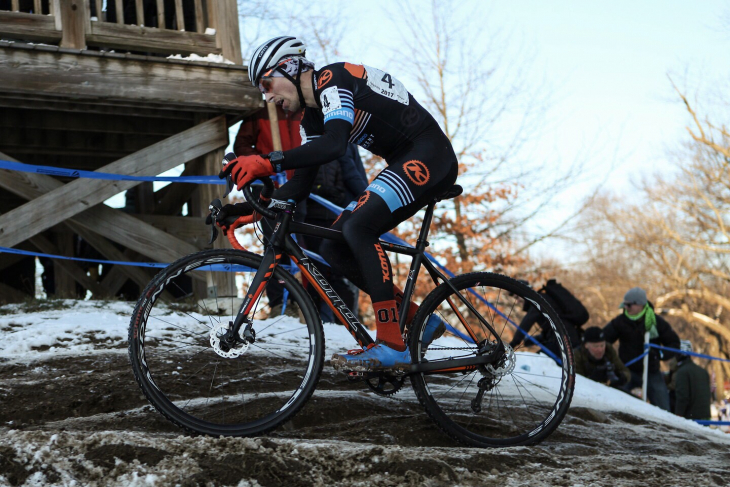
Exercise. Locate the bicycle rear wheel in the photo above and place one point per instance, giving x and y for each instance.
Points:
(518, 400)
(246, 390)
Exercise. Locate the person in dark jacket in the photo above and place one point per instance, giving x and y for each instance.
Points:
(598, 360)
(546, 337)
(692, 387)
(629, 327)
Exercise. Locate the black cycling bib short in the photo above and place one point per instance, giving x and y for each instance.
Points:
(366, 106)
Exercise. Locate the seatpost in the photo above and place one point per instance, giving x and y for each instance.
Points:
(422, 241)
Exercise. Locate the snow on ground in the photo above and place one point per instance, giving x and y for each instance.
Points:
(71, 414)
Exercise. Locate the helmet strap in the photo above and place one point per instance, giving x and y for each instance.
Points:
(296, 82)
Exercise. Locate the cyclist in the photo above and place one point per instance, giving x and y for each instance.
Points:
(354, 103)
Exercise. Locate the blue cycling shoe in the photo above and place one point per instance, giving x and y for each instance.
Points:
(435, 328)
(376, 357)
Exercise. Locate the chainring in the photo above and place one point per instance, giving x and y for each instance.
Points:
(385, 385)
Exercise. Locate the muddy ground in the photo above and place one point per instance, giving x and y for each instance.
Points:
(81, 420)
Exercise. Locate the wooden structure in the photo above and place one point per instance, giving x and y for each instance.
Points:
(87, 84)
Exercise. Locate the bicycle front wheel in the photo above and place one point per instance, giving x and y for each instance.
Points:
(205, 387)
(518, 400)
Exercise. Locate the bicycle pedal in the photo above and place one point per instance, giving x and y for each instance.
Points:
(353, 376)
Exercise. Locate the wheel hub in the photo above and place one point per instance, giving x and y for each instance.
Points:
(225, 344)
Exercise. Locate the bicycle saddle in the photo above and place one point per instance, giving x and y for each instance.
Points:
(452, 192)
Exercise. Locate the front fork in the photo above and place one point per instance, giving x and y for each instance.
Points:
(271, 259)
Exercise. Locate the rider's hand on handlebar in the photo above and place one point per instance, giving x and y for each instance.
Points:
(234, 216)
(246, 169)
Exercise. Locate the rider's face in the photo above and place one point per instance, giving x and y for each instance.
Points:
(282, 92)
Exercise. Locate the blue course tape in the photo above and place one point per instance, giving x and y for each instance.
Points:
(707, 422)
(76, 173)
(659, 347)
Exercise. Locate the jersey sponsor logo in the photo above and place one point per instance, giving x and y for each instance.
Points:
(324, 78)
(391, 189)
(362, 200)
(383, 262)
(410, 117)
(344, 114)
(417, 172)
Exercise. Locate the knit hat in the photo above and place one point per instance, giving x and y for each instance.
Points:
(593, 335)
(634, 295)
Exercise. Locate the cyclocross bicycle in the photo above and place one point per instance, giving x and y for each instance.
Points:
(227, 365)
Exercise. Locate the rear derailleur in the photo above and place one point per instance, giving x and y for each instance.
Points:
(492, 373)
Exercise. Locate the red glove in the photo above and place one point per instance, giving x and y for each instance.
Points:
(246, 169)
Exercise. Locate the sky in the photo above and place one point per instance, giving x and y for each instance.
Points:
(605, 66)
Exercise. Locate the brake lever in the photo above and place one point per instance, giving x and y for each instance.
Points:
(229, 181)
(214, 208)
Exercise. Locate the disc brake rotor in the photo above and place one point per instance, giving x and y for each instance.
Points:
(505, 365)
(220, 331)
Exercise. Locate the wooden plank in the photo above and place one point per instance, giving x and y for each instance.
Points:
(150, 39)
(114, 224)
(68, 269)
(38, 102)
(120, 11)
(114, 280)
(139, 9)
(97, 78)
(179, 15)
(228, 35)
(191, 229)
(89, 123)
(161, 14)
(32, 27)
(22, 141)
(80, 195)
(73, 18)
(199, 19)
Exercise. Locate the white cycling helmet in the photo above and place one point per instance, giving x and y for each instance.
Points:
(268, 55)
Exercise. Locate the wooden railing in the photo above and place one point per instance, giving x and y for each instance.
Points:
(154, 26)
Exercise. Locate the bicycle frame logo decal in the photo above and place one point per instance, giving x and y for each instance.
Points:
(417, 172)
(383, 262)
(331, 294)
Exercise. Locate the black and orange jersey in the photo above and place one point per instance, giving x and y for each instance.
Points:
(360, 105)
(356, 104)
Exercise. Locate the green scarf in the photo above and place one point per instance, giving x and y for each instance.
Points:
(649, 320)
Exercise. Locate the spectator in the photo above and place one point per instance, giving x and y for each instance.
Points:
(254, 137)
(339, 182)
(570, 310)
(629, 327)
(692, 387)
(598, 360)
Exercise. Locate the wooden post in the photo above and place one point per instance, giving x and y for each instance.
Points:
(99, 14)
(199, 20)
(161, 14)
(73, 20)
(65, 284)
(14, 6)
(274, 123)
(139, 10)
(37, 8)
(224, 19)
(119, 9)
(179, 15)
